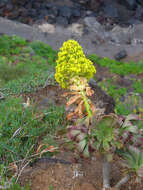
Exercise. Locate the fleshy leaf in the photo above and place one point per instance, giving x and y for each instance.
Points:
(86, 153)
(73, 99)
(81, 145)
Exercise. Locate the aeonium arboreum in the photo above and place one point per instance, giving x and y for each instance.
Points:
(106, 134)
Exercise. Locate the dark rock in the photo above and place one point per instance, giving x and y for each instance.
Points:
(2, 4)
(32, 12)
(28, 5)
(62, 21)
(1, 12)
(9, 6)
(120, 55)
(111, 10)
(36, 5)
(24, 20)
(130, 4)
(140, 2)
(49, 5)
(19, 3)
(65, 11)
(95, 5)
(44, 12)
(83, 13)
(14, 15)
(53, 11)
(139, 12)
(76, 12)
(105, 100)
(51, 19)
(124, 13)
(23, 12)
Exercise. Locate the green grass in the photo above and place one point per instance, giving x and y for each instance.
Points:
(121, 68)
(24, 66)
(116, 91)
(138, 86)
(20, 130)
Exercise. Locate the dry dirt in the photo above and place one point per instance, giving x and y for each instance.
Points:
(79, 176)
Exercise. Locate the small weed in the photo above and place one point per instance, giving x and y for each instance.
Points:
(51, 187)
(45, 51)
(132, 104)
(138, 86)
(112, 89)
(117, 67)
(11, 72)
(11, 45)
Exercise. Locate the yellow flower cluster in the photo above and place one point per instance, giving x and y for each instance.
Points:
(72, 63)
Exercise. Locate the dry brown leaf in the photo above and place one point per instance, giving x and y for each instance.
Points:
(50, 148)
(81, 108)
(89, 91)
(68, 93)
(39, 147)
(73, 99)
(13, 167)
(92, 107)
(70, 116)
(78, 112)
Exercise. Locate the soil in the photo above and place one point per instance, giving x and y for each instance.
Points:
(135, 58)
(82, 176)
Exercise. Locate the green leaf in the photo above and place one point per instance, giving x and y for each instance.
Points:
(106, 146)
(132, 129)
(81, 145)
(86, 152)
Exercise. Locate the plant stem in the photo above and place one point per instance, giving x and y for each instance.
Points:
(105, 173)
(122, 181)
(87, 106)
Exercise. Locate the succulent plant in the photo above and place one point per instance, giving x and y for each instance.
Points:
(133, 160)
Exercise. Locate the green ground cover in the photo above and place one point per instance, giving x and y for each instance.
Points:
(122, 95)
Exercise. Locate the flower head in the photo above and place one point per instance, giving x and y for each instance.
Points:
(72, 63)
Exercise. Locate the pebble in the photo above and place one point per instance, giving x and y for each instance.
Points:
(120, 55)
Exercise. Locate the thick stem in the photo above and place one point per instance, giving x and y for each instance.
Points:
(105, 173)
(122, 181)
(87, 106)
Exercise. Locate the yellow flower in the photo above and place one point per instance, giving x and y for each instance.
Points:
(71, 63)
